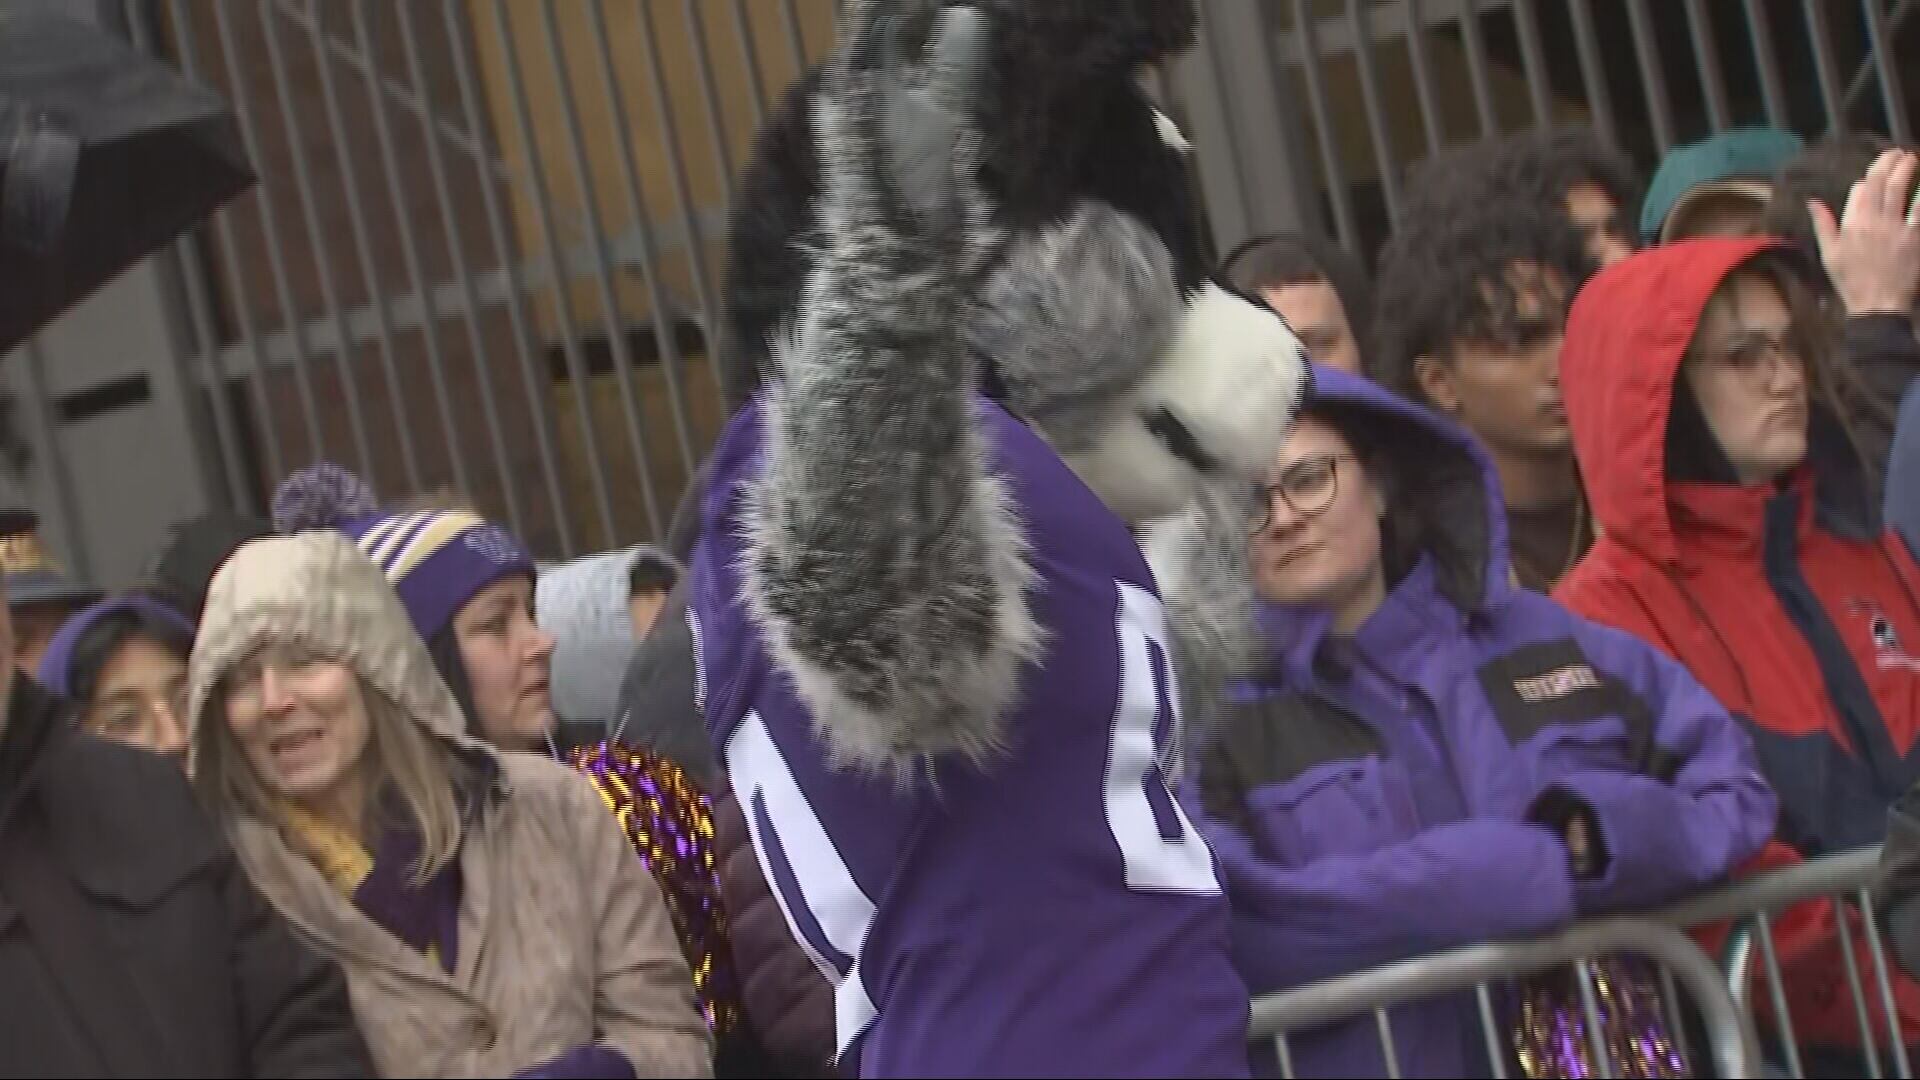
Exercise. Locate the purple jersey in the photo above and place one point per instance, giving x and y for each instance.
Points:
(1053, 913)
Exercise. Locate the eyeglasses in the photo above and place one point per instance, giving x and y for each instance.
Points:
(1750, 354)
(120, 715)
(1308, 487)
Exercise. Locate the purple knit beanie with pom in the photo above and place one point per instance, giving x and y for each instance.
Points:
(435, 559)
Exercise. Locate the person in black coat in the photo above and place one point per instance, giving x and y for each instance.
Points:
(131, 942)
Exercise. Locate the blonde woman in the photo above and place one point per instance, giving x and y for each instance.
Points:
(481, 902)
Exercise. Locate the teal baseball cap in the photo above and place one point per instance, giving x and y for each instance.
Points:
(1740, 162)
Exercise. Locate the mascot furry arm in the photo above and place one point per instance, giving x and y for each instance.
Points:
(885, 562)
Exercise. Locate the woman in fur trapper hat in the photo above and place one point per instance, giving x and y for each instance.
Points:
(934, 661)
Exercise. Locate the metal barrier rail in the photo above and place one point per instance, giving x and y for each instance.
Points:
(1814, 879)
(1847, 878)
(1729, 1033)
(1721, 997)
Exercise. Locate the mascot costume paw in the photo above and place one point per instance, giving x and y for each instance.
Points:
(966, 259)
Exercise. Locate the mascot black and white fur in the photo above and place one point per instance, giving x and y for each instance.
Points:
(966, 260)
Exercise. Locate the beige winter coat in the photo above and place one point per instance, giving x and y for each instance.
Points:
(563, 937)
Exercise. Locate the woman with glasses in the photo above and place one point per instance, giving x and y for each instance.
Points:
(121, 666)
(1419, 754)
(1741, 535)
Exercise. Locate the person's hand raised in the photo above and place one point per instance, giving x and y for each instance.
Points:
(1872, 252)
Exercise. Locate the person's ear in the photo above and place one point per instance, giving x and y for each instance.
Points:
(1434, 377)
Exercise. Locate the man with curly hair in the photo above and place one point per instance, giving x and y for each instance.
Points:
(1473, 291)
(1575, 169)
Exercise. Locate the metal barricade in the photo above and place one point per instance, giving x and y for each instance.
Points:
(1684, 966)
(1752, 906)
(1734, 998)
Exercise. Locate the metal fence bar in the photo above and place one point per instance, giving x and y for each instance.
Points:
(1416, 35)
(1772, 890)
(457, 256)
(1590, 1008)
(1593, 74)
(683, 191)
(1370, 102)
(1859, 992)
(1476, 46)
(1880, 47)
(617, 344)
(276, 261)
(410, 257)
(1706, 59)
(467, 141)
(1347, 996)
(1761, 35)
(1653, 76)
(1670, 999)
(534, 380)
(1857, 85)
(664, 336)
(796, 42)
(199, 272)
(1385, 1028)
(1776, 992)
(347, 359)
(563, 305)
(1526, 23)
(1489, 1026)
(1877, 950)
(1317, 101)
(1820, 41)
(749, 62)
(376, 294)
(709, 95)
(187, 255)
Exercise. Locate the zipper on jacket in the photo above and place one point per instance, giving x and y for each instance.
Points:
(1847, 690)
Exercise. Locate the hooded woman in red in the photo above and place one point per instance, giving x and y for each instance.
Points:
(1741, 534)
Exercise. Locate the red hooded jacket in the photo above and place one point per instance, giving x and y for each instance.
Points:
(1798, 611)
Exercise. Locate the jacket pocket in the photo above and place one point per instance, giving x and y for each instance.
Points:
(1342, 808)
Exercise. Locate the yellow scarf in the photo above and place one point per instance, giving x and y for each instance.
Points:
(332, 848)
(336, 852)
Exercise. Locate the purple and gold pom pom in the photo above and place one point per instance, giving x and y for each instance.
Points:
(669, 822)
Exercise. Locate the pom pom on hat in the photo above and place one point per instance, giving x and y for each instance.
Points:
(321, 496)
(435, 559)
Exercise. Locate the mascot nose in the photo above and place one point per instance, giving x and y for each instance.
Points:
(1179, 439)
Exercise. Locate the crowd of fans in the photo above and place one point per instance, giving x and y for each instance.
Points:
(1585, 581)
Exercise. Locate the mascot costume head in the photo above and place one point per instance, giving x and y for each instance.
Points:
(967, 201)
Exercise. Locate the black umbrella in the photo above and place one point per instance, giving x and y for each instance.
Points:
(105, 155)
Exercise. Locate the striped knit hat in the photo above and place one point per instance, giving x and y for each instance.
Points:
(435, 559)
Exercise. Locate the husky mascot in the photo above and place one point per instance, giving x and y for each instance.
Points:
(965, 257)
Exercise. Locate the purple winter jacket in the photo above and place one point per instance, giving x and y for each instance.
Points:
(1378, 798)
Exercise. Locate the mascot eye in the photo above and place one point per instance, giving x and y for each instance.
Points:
(1179, 439)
